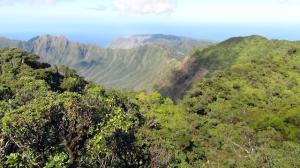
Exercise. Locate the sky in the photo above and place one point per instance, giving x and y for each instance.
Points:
(99, 21)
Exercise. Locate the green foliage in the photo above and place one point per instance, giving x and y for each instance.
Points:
(56, 119)
(5, 93)
(60, 160)
(14, 160)
(255, 101)
(168, 131)
(71, 84)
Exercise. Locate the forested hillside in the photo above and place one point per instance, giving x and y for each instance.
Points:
(244, 112)
(135, 69)
(253, 106)
(53, 118)
(223, 55)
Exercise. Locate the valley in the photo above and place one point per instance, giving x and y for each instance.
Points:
(147, 62)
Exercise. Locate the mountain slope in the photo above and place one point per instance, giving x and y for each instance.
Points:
(136, 69)
(250, 107)
(233, 51)
(244, 113)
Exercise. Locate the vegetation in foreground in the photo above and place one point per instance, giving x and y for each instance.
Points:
(245, 114)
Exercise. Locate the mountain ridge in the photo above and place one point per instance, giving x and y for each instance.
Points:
(222, 55)
(136, 69)
(132, 41)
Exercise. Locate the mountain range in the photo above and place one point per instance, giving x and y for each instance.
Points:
(240, 107)
(135, 63)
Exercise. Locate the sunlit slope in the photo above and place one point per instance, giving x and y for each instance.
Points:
(225, 54)
(138, 68)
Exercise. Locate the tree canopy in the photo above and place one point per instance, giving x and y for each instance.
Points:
(52, 117)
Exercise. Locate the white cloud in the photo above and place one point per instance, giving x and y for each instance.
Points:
(263, 12)
(145, 6)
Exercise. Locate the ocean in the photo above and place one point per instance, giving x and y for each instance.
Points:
(102, 34)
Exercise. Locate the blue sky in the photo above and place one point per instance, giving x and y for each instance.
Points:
(98, 21)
